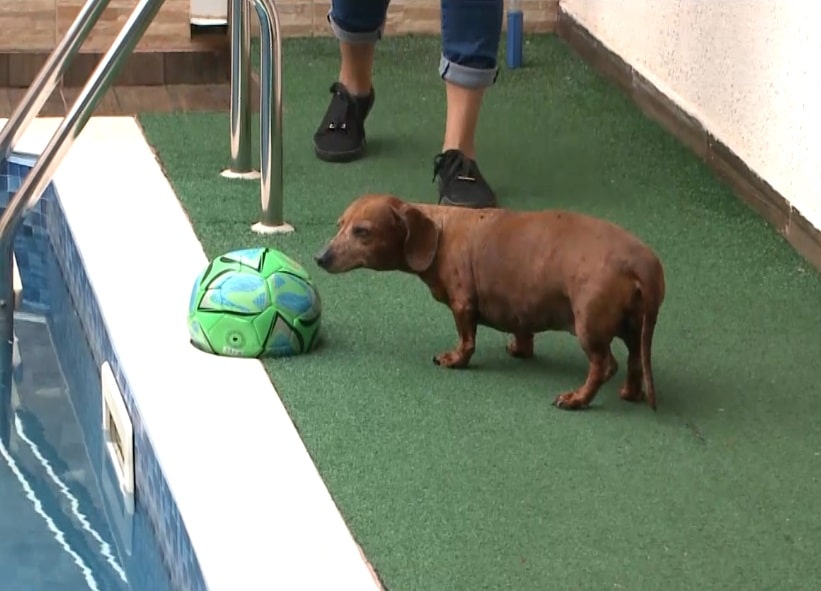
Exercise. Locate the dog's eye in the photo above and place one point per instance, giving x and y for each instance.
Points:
(360, 231)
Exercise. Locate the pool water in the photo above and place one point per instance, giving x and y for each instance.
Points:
(63, 526)
(54, 529)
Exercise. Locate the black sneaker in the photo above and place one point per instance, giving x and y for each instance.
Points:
(341, 135)
(460, 182)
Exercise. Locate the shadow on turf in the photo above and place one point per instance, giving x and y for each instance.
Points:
(382, 146)
(679, 393)
(684, 397)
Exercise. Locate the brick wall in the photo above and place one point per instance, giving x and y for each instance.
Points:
(31, 25)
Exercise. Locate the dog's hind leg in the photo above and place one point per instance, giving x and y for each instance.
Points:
(597, 321)
(602, 366)
(521, 346)
(632, 390)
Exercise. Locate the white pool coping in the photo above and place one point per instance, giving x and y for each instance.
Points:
(257, 511)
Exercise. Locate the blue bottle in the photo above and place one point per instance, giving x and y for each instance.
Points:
(515, 41)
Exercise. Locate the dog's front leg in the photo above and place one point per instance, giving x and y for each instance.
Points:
(465, 316)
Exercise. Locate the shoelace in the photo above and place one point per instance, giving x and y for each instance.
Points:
(455, 161)
(340, 110)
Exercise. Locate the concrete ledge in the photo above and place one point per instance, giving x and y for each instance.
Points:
(804, 237)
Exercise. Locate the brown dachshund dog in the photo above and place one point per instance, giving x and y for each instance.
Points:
(520, 273)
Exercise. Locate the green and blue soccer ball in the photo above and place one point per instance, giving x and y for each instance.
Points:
(256, 302)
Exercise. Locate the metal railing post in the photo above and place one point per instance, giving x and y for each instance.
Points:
(6, 337)
(270, 110)
(43, 171)
(240, 108)
(46, 80)
(270, 121)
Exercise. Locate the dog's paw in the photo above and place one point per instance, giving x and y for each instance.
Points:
(514, 351)
(631, 393)
(520, 347)
(451, 360)
(569, 401)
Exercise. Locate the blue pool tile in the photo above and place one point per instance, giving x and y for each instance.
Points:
(14, 182)
(29, 246)
(150, 482)
(147, 566)
(48, 258)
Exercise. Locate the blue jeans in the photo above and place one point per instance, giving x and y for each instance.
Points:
(471, 30)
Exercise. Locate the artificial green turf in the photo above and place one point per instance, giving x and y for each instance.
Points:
(471, 480)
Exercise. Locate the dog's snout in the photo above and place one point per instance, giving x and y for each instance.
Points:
(324, 258)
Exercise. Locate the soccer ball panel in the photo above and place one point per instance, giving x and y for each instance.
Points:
(198, 335)
(297, 302)
(194, 298)
(262, 323)
(249, 257)
(276, 261)
(236, 292)
(282, 340)
(235, 336)
(309, 329)
(292, 296)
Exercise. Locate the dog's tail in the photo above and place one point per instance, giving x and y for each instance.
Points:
(652, 288)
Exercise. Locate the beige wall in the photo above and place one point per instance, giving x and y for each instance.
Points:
(744, 68)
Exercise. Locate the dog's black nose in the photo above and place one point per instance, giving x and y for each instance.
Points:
(323, 258)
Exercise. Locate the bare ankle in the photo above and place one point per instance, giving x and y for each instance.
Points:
(463, 105)
(356, 69)
(356, 85)
(468, 151)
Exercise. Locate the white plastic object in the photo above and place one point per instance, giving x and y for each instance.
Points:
(118, 434)
(16, 282)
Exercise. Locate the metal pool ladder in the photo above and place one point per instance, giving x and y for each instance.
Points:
(104, 74)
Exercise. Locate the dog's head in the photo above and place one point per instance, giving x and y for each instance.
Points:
(382, 233)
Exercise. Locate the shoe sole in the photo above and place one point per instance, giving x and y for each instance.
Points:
(348, 156)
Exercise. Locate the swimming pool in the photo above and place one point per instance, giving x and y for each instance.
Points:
(226, 496)
(64, 524)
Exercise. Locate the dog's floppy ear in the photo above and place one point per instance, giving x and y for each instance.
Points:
(421, 238)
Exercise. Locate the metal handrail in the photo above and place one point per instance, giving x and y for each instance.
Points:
(240, 107)
(270, 120)
(46, 80)
(36, 181)
(70, 128)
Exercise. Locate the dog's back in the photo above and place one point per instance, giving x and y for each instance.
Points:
(531, 242)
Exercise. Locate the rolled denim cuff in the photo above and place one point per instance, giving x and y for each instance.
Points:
(465, 76)
(349, 37)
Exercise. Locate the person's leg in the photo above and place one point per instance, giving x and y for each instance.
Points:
(471, 31)
(357, 24)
